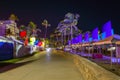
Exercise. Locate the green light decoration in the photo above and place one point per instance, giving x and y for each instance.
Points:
(32, 40)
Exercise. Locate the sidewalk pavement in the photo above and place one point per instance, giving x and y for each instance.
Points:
(45, 66)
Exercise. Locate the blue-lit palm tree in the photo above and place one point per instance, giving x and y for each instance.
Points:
(71, 20)
(62, 29)
(69, 24)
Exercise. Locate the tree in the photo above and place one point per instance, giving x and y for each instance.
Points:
(31, 29)
(22, 27)
(32, 25)
(46, 25)
(71, 20)
(68, 26)
(13, 17)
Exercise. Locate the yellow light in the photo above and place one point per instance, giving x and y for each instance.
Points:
(32, 40)
(43, 44)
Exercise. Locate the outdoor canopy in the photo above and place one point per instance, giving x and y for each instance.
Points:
(112, 39)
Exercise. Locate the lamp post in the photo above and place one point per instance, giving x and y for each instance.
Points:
(46, 25)
(111, 56)
(112, 44)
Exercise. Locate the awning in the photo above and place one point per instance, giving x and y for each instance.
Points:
(112, 39)
(118, 42)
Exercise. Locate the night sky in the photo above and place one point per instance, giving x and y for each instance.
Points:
(92, 13)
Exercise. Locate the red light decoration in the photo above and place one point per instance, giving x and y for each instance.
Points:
(40, 43)
(26, 42)
(23, 34)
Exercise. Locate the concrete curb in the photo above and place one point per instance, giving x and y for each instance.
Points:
(91, 71)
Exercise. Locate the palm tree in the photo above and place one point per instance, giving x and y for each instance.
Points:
(32, 25)
(22, 27)
(13, 17)
(36, 31)
(31, 29)
(68, 25)
(72, 21)
(46, 25)
(61, 29)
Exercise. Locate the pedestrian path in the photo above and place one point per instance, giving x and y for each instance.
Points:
(52, 65)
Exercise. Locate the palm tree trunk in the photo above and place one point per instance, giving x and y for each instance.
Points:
(45, 36)
(65, 37)
(62, 39)
(71, 34)
(45, 32)
(68, 37)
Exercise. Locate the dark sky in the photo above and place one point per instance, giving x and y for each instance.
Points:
(92, 12)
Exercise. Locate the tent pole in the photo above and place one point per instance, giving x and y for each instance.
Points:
(111, 58)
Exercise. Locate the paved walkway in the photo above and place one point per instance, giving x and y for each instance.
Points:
(53, 65)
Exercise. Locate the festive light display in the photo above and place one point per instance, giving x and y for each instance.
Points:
(107, 30)
(95, 34)
(26, 42)
(86, 37)
(23, 34)
(43, 44)
(40, 43)
(32, 40)
(36, 42)
(90, 39)
(103, 35)
(80, 38)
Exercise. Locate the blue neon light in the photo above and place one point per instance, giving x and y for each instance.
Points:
(107, 28)
(86, 37)
(90, 39)
(95, 34)
(80, 38)
(1, 43)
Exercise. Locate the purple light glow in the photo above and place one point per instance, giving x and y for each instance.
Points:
(86, 37)
(103, 35)
(107, 28)
(76, 40)
(113, 59)
(90, 39)
(73, 41)
(69, 42)
(95, 34)
(80, 38)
